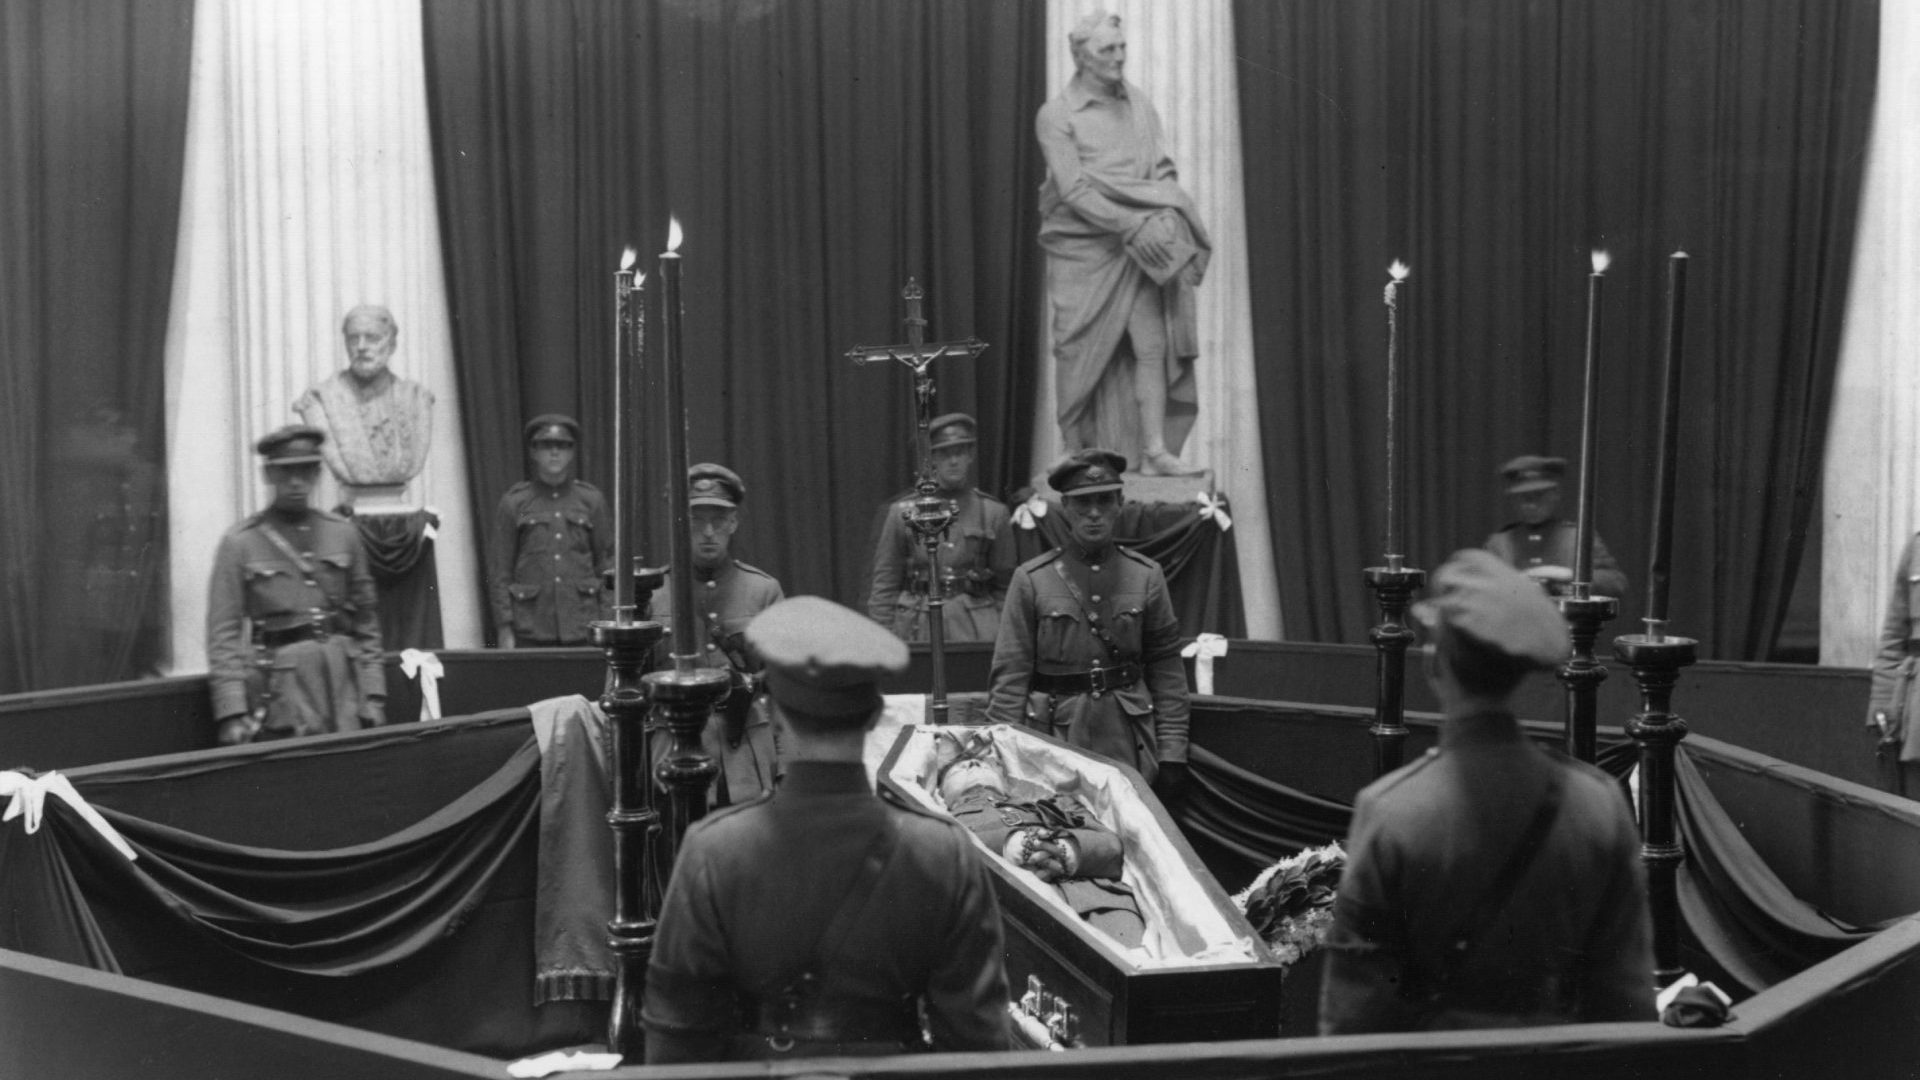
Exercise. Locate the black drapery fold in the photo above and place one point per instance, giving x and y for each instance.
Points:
(93, 110)
(1196, 554)
(817, 156)
(1493, 144)
(335, 912)
(1736, 910)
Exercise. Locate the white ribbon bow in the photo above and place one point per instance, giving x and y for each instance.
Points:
(1214, 509)
(1203, 650)
(29, 801)
(423, 665)
(1028, 514)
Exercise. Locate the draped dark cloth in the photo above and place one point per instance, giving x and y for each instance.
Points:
(1738, 912)
(93, 113)
(1734, 910)
(817, 156)
(1492, 144)
(1198, 557)
(336, 912)
(407, 577)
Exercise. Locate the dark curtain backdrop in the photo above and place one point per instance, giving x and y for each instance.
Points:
(817, 155)
(1493, 144)
(93, 109)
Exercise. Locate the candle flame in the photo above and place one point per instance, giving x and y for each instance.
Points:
(626, 259)
(639, 281)
(1600, 261)
(673, 233)
(1398, 270)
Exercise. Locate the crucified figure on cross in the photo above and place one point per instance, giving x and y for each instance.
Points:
(928, 515)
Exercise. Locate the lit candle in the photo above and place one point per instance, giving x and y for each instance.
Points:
(1658, 571)
(1396, 289)
(622, 344)
(685, 650)
(1583, 526)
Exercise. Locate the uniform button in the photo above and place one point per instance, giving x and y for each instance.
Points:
(1096, 598)
(310, 581)
(713, 616)
(1535, 561)
(713, 584)
(709, 648)
(1095, 567)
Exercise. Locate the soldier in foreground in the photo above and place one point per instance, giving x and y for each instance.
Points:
(825, 919)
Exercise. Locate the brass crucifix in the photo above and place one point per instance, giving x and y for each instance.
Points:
(918, 356)
(928, 514)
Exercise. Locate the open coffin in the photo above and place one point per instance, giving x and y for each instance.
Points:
(1201, 972)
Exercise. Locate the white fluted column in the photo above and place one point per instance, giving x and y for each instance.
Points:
(1871, 494)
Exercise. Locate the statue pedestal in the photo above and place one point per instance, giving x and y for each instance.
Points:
(399, 538)
(1162, 519)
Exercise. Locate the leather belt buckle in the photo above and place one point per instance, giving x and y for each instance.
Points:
(1097, 680)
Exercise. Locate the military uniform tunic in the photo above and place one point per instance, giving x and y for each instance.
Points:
(727, 600)
(976, 559)
(754, 892)
(1553, 543)
(1055, 604)
(316, 587)
(1572, 942)
(551, 546)
(1095, 892)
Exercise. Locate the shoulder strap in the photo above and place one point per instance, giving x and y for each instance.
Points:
(286, 549)
(853, 906)
(1493, 899)
(1093, 621)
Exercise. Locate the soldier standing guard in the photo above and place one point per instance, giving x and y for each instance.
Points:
(1491, 883)
(552, 544)
(825, 918)
(1540, 544)
(1089, 646)
(293, 633)
(727, 594)
(976, 557)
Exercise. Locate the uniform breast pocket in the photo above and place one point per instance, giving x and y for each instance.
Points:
(580, 525)
(1129, 615)
(1055, 632)
(273, 588)
(331, 570)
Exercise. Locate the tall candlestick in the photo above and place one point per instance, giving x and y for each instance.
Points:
(685, 650)
(1583, 525)
(1396, 290)
(1658, 570)
(622, 344)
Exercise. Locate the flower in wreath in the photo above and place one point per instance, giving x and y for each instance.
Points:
(1291, 903)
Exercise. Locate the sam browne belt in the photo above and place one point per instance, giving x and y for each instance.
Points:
(1096, 680)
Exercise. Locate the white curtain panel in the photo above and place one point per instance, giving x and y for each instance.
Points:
(1181, 55)
(308, 190)
(1872, 475)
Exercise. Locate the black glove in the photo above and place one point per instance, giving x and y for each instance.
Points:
(1172, 782)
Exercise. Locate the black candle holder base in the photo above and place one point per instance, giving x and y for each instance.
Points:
(635, 824)
(1582, 674)
(1656, 664)
(1393, 587)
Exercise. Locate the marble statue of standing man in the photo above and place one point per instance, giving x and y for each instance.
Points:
(378, 424)
(1125, 250)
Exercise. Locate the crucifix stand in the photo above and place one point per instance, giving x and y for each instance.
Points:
(928, 515)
